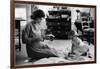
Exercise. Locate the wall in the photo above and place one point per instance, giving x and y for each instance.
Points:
(5, 35)
(24, 11)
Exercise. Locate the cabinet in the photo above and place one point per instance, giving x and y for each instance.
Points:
(59, 23)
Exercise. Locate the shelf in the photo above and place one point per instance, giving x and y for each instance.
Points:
(59, 23)
(58, 19)
(52, 12)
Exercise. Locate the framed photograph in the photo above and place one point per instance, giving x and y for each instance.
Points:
(52, 34)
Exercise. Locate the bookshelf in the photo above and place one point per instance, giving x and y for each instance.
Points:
(59, 23)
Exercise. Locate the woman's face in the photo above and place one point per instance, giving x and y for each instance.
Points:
(38, 20)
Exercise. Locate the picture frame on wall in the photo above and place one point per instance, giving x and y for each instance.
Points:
(51, 34)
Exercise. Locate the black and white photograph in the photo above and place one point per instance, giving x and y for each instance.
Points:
(53, 34)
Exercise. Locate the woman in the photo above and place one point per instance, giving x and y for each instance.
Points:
(33, 37)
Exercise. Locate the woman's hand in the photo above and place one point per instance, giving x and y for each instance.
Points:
(49, 37)
(45, 46)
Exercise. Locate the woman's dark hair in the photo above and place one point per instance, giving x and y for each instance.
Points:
(37, 14)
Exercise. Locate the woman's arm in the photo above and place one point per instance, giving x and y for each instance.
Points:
(25, 36)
